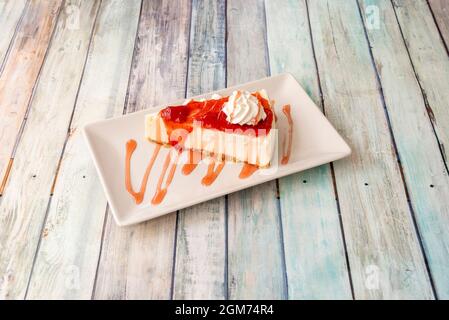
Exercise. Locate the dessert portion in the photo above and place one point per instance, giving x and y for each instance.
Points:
(237, 127)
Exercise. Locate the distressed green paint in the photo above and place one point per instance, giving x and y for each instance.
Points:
(255, 252)
(137, 261)
(423, 166)
(66, 262)
(430, 60)
(201, 248)
(314, 249)
(383, 249)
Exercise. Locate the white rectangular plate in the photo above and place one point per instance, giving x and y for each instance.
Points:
(315, 142)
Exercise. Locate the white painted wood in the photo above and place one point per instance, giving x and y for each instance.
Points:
(430, 60)
(255, 256)
(66, 262)
(10, 13)
(423, 166)
(21, 70)
(440, 10)
(201, 249)
(137, 261)
(314, 249)
(384, 253)
(23, 206)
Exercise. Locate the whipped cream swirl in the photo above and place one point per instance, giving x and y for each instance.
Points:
(243, 108)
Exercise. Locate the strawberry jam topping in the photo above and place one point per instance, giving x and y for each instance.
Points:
(209, 115)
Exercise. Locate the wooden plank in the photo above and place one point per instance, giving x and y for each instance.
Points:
(314, 248)
(423, 166)
(255, 256)
(25, 201)
(201, 249)
(383, 249)
(67, 259)
(440, 10)
(431, 63)
(10, 14)
(21, 71)
(137, 261)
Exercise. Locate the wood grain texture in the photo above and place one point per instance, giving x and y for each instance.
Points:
(10, 14)
(66, 262)
(314, 249)
(440, 10)
(21, 71)
(384, 253)
(431, 63)
(137, 261)
(44, 59)
(27, 193)
(255, 255)
(201, 248)
(424, 170)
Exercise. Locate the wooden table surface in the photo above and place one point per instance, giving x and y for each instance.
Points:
(372, 226)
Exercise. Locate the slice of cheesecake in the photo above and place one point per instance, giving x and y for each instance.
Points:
(240, 127)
